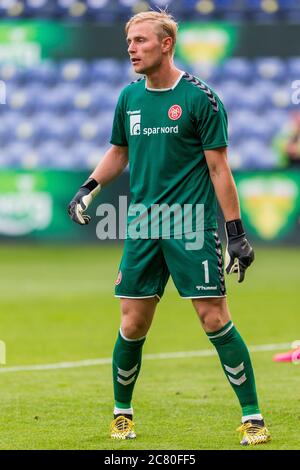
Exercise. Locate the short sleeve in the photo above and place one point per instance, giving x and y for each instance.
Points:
(118, 136)
(211, 122)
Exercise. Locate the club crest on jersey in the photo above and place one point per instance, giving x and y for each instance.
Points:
(119, 278)
(175, 112)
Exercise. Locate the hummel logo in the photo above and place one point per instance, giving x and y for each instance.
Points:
(206, 287)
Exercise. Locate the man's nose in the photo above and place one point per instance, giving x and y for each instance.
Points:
(131, 48)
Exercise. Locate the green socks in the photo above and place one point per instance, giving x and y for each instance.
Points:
(127, 359)
(233, 354)
(236, 363)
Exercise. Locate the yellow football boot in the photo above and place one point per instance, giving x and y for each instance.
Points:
(253, 432)
(122, 428)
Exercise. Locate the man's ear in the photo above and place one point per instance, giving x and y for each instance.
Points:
(167, 44)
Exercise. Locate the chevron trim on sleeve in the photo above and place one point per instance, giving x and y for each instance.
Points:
(195, 81)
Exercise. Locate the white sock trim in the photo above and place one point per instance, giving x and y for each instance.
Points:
(247, 417)
(123, 411)
(128, 339)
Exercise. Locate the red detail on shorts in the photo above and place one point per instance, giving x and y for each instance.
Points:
(175, 112)
(119, 278)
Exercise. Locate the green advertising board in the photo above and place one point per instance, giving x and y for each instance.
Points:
(27, 41)
(208, 43)
(33, 205)
(270, 204)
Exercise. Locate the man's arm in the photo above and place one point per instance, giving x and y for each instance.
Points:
(239, 253)
(110, 166)
(223, 182)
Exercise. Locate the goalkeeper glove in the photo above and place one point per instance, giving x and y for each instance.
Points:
(82, 200)
(239, 253)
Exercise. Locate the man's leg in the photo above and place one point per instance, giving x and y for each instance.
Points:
(234, 356)
(137, 315)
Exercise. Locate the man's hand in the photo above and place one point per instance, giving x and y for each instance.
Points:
(239, 253)
(82, 200)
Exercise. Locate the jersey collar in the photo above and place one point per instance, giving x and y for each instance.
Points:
(165, 89)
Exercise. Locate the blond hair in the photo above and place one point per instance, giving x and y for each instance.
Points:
(167, 24)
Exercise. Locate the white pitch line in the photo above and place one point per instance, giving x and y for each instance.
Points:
(170, 355)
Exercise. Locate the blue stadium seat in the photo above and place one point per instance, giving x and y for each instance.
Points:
(74, 71)
(107, 70)
(25, 98)
(256, 155)
(95, 98)
(289, 4)
(237, 68)
(45, 73)
(50, 126)
(293, 68)
(277, 119)
(230, 92)
(12, 9)
(10, 72)
(126, 8)
(87, 155)
(54, 155)
(9, 122)
(39, 8)
(270, 68)
(247, 124)
(15, 154)
(101, 10)
(72, 10)
(281, 97)
(59, 98)
(266, 88)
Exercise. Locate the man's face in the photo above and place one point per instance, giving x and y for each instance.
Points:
(144, 47)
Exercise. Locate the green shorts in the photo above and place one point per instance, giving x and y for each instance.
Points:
(147, 264)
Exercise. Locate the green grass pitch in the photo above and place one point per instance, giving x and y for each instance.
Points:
(57, 305)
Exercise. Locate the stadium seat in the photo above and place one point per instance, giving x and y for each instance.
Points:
(39, 8)
(74, 71)
(9, 72)
(101, 10)
(46, 73)
(58, 98)
(54, 155)
(87, 155)
(107, 70)
(270, 68)
(281, 96)
(72, 10)
(237, 68)
(256, 155)
(293, 68)
(50, 126)
(25, 98)
(15, 154)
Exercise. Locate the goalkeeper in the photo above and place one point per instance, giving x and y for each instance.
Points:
(172, 130)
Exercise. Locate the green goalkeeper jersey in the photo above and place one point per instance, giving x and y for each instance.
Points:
(166, 132)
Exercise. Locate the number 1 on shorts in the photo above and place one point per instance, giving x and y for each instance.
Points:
(206, 272)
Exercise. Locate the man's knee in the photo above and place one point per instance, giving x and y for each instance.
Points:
(213, 313)
(133, 327)
(137, 317)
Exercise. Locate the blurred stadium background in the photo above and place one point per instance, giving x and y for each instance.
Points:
(63, 64)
